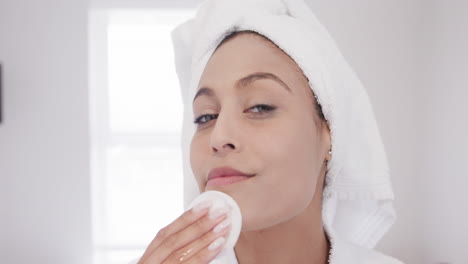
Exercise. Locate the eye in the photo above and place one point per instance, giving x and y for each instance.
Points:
(263, 108)
(204, 119)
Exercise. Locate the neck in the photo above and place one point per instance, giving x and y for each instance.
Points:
(302, 239)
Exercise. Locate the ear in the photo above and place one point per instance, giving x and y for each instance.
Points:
(326, 139)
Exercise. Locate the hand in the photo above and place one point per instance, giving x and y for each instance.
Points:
(194, 237)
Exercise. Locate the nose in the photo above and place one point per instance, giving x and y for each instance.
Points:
(224, 135)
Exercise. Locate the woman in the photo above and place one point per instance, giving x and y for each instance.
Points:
(271, 97)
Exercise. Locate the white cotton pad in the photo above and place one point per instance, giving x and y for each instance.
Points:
(217, 200)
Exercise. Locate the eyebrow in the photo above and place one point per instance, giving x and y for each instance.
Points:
(244, 82)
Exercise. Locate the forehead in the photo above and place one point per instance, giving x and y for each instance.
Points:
(246, 53)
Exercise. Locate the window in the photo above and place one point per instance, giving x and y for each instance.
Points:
(136, 117)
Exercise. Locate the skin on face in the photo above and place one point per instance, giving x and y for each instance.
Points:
(283, 147)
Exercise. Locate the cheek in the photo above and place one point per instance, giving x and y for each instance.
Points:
(197, 159)
(290, 176)
(294, 154)
(294, 166)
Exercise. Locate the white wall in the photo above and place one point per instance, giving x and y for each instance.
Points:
(442, 173)
(44, 178)
(411, 56)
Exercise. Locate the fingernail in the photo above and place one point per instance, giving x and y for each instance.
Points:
(197, 208)
(216, 212)
(215, 244)
(222, 225)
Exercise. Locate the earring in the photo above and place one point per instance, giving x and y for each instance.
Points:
(329, 152)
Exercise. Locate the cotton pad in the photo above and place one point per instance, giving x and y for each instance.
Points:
(218, 200)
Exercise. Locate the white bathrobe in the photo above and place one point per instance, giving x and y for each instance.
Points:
(341, 252)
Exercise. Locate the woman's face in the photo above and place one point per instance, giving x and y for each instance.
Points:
(280, 144)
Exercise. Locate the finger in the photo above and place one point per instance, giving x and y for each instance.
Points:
(182, 255)
(184, 220)
(207, 254)
(184, 237)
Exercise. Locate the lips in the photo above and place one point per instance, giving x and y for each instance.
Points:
(225, 172)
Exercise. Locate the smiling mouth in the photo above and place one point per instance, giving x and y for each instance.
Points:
(227, 180)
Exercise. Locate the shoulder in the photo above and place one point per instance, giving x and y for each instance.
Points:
(343, 252)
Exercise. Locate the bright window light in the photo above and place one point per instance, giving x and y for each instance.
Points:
(136, 112)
